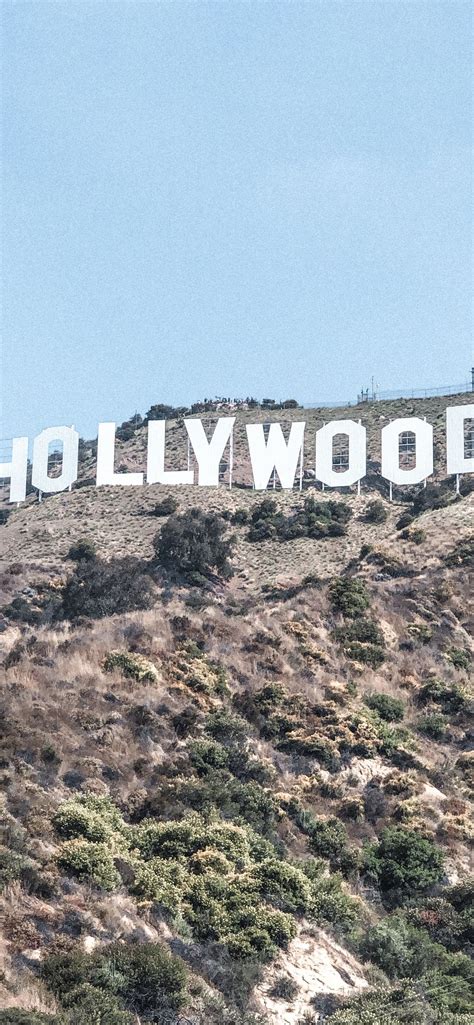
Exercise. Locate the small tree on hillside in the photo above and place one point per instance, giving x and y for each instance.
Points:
(97, 588)
(194, 542)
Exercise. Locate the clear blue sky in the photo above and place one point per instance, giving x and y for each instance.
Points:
(236, 198)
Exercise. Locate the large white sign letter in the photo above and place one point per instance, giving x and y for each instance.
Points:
(69, 439)
(325, 471)
(106, 459)
(155, 468)
(16, 469)
(457, 461)
(275, 454)
(209, 453)
(423, 467)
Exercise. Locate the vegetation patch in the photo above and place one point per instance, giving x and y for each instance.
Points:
(223, 879)
(134, 667)
(194, 544)
(314, 519)
(195, 670)
(403, 861)
(362, 641)
(349, 595)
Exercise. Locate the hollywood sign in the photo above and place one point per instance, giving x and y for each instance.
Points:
(269, 451)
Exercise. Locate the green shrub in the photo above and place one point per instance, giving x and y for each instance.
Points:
(349, 595)
(330, 903)
(87, 1004)
(414, 534)
(145, 977)
(194, 542)
(410, 1002)
(208, 755)
(433, 725)
(284, 988)
(162, 411)
(283, 885)
(90, 816)
(240, 517)
(460, 657)
(436, 691)
(390, 709)
(166, 507)
(462, 554)
(404, 861)
(18, 1016)
(136, 667)
(375, 512)
(83, 550)
(405, 520)
(149, 980)
(420, 632)
(89, 861)
(97, 588)
(315, 519)
(448, 919)
(227, 728)
(327, 837)
(402, 950)
(363, 641)
(433, 496)
(12, 865)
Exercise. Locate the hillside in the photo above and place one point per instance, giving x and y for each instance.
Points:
(239, 798)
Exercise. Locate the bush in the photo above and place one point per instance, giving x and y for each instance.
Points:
(462, 554)
(149, 979)
(87, 817)
(433, 726)
(135, 667)
(405, 520)
(349, 596)
(98, 589)
(194, 542)
(327, 838)
(410, 1002)
(166, 507)
(145, 977)
(162, 411)
(436, 691)
(315, 519)
(18, 1016)
(283, 885)
(404, 861)
(376, 512)
(402, 950)
(284, 988)
(227, 728)
(83, 550)
(414, 534)
(89, 861)
(13, 865)
(446, 919)
(390, 709)
(460, 658)
(240, 517)
(331, 904)
(433, 496)
(87, 1004)
(363, 641)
